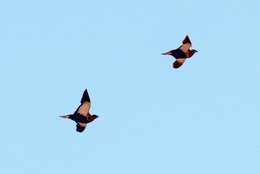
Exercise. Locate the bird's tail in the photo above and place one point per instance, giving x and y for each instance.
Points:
(66, 116)
(167, 53)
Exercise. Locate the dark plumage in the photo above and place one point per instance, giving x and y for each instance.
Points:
(82, 115)
(182, 53)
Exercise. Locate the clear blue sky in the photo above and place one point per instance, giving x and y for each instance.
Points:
(201, 119)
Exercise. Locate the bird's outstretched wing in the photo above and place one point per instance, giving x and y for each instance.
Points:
(80, 127)
(84, 108)
(178, 63)
(186, 44)
(186, 40)
(85, 97)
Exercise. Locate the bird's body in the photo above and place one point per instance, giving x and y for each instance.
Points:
(178, 53)
(82, 115)
(182, 53)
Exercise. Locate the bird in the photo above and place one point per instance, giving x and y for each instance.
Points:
(182, 53)
(82, 115)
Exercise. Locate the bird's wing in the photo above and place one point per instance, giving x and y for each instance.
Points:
(80, 127)
(85, 104)
(186, 44)
(84, 108)
(178, 63)
(186, 40)
(85, 97)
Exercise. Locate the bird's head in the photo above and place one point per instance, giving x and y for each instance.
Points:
(92, 118)
(95, 116)
(192, 52)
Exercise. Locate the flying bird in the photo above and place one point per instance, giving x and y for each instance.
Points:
(182, 53)
(82, 115)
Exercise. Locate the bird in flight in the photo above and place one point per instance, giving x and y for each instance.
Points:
(182, 53)
(82, 115)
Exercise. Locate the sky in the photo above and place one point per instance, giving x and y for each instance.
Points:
(202, 118)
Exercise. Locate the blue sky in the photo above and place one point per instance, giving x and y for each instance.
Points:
(202, 118)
